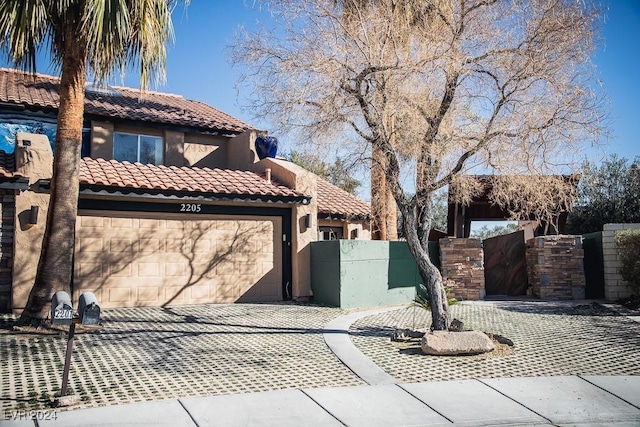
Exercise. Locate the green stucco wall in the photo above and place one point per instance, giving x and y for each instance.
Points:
(362, 273)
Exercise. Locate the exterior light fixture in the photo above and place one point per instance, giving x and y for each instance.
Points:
(33, 215)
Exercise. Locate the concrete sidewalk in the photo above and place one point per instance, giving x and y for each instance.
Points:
(558, 401)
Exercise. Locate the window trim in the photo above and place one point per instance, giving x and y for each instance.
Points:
(137, 135)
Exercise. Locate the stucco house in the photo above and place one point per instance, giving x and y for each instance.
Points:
(175, 206)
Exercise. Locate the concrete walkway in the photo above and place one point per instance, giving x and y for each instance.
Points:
(583, 400)
(558, 401)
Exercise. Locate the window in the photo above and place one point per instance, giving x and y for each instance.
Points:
(330, 233)
(137, 148)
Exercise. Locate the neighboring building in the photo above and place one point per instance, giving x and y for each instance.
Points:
(175, 207)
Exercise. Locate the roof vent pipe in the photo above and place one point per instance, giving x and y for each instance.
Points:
(267, 173)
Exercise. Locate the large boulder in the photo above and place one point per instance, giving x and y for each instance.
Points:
(445, 343)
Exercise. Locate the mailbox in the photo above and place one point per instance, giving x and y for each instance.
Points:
(61, 309)
(89, 309)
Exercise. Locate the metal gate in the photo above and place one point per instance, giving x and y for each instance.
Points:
(593, 265)
(505, 265)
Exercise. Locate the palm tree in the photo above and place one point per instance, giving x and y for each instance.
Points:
(384, 213)
(81, 36)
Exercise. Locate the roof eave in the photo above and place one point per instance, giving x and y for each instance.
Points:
(16, 183)
(160, 194)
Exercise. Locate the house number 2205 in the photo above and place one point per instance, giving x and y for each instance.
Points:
(190, 207)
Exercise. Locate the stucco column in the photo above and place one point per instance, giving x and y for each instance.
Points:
(34, 159)
(304, 182)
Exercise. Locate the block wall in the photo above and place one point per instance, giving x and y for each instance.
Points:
(461, 263)
(555, 267)
(614, 286)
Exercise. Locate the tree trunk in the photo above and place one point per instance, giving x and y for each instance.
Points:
(440, 314)
(384, 213)
(55, 265)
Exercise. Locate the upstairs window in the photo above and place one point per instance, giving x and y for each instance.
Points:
(133, 148)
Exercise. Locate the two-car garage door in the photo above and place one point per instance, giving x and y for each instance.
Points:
(153, 259)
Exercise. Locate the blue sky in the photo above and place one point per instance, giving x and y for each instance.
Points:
(206, 29)
(197, 65)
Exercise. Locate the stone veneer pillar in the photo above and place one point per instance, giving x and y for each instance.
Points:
(461, 262)
(555, 267)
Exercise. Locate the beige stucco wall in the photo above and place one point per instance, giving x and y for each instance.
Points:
(304, 182)
(34, 162)
(206, 150)
(174, 148)
(349, 228)
(180, 148)
(241, 152)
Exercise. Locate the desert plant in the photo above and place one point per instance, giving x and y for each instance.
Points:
(628, 243)
(422, 298)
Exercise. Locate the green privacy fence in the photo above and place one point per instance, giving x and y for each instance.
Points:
(364, 273)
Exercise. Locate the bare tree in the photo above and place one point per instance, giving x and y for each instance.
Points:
(460, 87)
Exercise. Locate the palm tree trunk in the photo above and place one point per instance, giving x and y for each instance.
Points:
(384, 213)
(55, 265)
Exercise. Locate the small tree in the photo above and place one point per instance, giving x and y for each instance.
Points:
(608, 193)
(486, 232)
(337, 173)
(628, 243)
(438, 88)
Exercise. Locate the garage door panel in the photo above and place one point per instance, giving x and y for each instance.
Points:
(149, 245)
(149, 294)
(158, 259)
(120, 296)
(149, 269)
(91, 244)
(117, 269)
(90, 270)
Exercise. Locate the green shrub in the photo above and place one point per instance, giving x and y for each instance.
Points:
(628, 243)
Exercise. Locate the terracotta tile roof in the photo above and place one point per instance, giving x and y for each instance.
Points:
(41, 91)
(110, 173)
(8, 166)
(334, 201)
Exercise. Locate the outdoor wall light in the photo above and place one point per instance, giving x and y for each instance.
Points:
(33, 215)
(308, 220)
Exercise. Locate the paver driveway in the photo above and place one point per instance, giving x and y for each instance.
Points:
(551, 338)
(153, 353)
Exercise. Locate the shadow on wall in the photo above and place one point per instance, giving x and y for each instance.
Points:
(204, 266)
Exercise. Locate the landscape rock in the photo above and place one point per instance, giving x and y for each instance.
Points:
(69, 400)
(456, 326)
(445, 343)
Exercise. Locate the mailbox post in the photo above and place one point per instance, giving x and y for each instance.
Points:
(62, 314)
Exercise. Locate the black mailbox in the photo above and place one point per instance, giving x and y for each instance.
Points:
(89, 309)
(61, 309)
